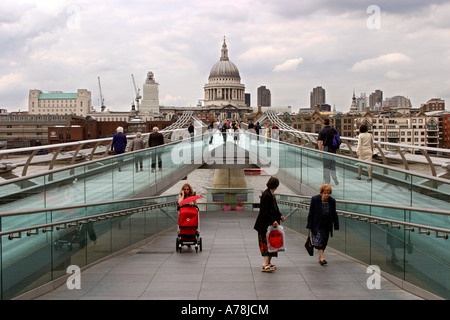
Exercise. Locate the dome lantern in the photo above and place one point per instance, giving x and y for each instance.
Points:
(224, 67)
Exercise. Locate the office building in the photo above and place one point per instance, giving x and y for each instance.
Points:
(317, 97)
(264, 99)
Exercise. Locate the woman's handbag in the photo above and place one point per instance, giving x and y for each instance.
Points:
(275, 239)
(308, 245)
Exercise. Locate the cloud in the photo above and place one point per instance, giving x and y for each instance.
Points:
(288, 65)
(66, 45)
(393, 75)
(170, 100)
(382, 61)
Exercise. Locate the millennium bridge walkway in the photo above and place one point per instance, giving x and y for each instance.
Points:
(393, 229)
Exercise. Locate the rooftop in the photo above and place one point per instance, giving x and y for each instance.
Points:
(56, 96)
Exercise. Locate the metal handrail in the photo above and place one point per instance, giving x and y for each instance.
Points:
(439, 232)
(308, 140)
(385, 166)
(79, 206)
(408, 226)
(72, 166)
(396, 224)
(381, 205)
(48, 227)
(311, 140)
(59, 147)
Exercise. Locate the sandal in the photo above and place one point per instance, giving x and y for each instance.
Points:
(322, 262)
(268, 268)
(273, 266)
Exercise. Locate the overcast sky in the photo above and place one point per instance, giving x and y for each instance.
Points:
(401, 47)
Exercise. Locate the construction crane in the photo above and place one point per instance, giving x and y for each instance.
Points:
(102, 101)
(138, 96)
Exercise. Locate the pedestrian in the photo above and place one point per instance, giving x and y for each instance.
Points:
(156, 139)
(325, 142)
(251, 130)
(269, 215)
(251, 125)
(224, 132)
(364, 150)
(191, 131)
(236, 131)
(322, 219)
(210, 130)
(138, 144)
(119, 144)
(186, 192)
(275, 132)
(257, 128)
(267, 129)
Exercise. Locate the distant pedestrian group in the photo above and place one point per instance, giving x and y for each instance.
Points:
(119, 145)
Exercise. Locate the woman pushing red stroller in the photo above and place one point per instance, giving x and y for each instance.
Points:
(188, 220)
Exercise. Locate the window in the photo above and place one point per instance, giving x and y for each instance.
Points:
(432, 125)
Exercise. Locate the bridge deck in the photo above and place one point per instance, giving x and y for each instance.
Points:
(228, 268)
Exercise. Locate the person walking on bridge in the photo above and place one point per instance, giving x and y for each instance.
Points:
(156, 139)
(269, 214)
(257, 128)
(325, 140)
(138, 144)
(364, 150)
(119, 144)
(322, 217)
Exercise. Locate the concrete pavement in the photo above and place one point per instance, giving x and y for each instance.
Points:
(228, 268)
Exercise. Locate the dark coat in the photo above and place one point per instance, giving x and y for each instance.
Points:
(268, 213)
(119, 142)
(326, 136)
(315, 215)
(155, 139)
(257, 127)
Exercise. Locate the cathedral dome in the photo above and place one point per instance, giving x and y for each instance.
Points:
(224, 67)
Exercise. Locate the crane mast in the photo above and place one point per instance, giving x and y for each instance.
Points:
(102, 101)
(138, 96)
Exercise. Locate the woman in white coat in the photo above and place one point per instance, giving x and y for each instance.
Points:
(365, 150)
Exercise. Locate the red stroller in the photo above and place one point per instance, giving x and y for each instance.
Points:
(188, 222)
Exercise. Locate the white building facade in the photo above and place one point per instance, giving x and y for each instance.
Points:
(60, 103)
(150, 95)
(418, 129)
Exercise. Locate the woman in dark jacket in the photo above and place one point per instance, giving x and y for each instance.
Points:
(321, 219)
(269, 214)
